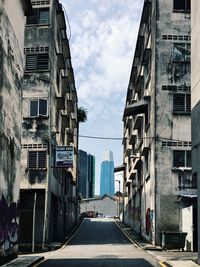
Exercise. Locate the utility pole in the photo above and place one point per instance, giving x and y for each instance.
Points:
(33, 230)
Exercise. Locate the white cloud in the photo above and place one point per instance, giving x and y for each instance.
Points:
(102, 48)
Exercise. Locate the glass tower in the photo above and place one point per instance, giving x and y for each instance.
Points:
(107, 174)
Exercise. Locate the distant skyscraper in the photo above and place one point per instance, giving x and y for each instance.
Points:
(107, 174)
(86, 179)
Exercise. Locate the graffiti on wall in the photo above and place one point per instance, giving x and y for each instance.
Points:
(149, 221)
(8, 225)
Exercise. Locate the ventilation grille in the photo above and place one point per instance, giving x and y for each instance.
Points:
(177, 37)
(176, 88)
(40, 3)
(34, 146)
(177, 144)
(36, 49)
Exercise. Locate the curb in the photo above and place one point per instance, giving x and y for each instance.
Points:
(36, 262)
(162, 263)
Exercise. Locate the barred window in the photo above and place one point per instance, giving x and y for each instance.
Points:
(39, 16)
(182, 5)
(37, 61)
(38, 107)
(182, 103)
(37, 160)
(181, 158)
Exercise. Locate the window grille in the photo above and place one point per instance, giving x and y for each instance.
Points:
(37, 61)
(41, 2)
(37, 160)
(181, 103)
(39, 16)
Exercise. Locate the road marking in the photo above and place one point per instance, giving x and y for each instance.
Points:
(38, 264)
(66, 243)
(162, 263)
(131, 240)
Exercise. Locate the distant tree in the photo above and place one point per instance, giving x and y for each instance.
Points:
(82, 114)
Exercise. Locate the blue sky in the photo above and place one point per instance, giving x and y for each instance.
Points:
(102, 43)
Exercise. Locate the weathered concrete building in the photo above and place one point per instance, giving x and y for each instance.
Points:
(195, 100)
(12, 23)
(161, 190)
(49, 120)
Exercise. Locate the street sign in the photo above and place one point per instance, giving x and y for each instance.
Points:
(64, 156)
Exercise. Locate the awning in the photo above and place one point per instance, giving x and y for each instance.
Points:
(138, 107)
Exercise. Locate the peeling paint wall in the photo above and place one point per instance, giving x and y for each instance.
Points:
(11, 75)
(49, 76)
(155, 123)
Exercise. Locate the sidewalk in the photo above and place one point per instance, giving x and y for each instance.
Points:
(171, 258)
(24, 261)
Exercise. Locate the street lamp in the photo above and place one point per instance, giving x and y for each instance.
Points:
(118, 198)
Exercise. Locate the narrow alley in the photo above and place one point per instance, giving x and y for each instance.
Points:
(99, 242)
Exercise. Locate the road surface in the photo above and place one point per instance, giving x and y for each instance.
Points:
(99, 243)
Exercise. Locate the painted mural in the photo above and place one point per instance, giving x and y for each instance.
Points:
(8, 227)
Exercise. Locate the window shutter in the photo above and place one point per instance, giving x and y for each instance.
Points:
(32, 160)
(42, 107)
(42, 159)
(34, 108)
(179, 103)
(43, 61)
(31, 62)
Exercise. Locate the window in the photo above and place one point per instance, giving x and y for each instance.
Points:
(181, 158)
(181, 52)
(37, 160)
(38, 107)
(37, 61)
(182, 5)
(39, 16)
(181, 103)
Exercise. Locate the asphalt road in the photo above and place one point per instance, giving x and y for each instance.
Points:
(99, 243)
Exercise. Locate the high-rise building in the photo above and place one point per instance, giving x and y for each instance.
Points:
(107, 174)
(49, 121)
(91, 176)
(159, 188)
(12, 25)
(86, 177)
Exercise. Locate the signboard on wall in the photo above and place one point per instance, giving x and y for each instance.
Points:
(64, 156)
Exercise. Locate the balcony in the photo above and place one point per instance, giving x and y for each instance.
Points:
(65, 85)
(70, 136)
(146, 56)
(139, 46)
(138, 122)
(73, 121)
(146, 11)
(61, 17)
(60, 103)
(133, 138)
(70, 106)
(138, 107)
(140, 84)
(60, 61)
(145, 148)
(65, 121)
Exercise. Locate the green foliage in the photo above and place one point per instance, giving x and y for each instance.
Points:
(82, 114)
